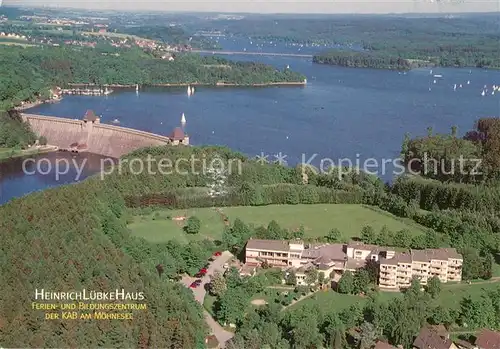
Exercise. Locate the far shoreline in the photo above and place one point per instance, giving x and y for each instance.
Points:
(184, 84)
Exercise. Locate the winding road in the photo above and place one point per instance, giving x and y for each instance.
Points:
(199, 294)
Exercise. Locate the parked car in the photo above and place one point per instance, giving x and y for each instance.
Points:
(201, 273)
(196, 283)
(217, 254)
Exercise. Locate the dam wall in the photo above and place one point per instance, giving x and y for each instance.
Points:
(93, 137)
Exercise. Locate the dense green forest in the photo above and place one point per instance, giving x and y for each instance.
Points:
(363, 60)
(14, 133)
(28, 73)
(40, 250)
(473, 158)
(44, 250)
(468, 40)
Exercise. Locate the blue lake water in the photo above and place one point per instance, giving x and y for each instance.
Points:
(341, 113)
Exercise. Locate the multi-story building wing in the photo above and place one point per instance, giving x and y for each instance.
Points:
(397, 272)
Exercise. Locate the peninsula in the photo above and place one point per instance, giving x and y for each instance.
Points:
(44, 68)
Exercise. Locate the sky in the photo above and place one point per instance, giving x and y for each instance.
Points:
(276, 6)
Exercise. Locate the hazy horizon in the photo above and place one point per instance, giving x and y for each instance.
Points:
(280, 6)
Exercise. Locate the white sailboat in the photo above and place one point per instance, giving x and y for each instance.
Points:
(483, 93)
(183, 119)
(435, 81)
(468, 82)
(189, 91)
(136, 88)
(192, 90)
(460, 86)
(455, 87)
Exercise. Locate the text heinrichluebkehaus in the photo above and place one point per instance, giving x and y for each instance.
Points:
(89, 295)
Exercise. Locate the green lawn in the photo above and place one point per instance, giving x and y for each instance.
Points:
(316, 219)
(450, 296)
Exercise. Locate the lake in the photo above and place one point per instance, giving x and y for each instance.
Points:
(342, 113)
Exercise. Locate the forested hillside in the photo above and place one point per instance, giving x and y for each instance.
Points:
(466, 40)
(29, 72)
(14, 132)
(75, 237)
(363, 60)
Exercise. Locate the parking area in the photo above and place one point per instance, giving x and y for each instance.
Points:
(199, 294)
(216, 265)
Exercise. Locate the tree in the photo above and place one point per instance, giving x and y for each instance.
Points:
(232, 305)
(193, 225)
(346, 283)
(352, 316)
(473, 265)
(291, 279)
(361, 281)
(274, 231)
(42, 140)
(478, 312)
(433, 286)
(368, 235)
(333, 235)
(311, 276)
(321, 278)
(367, 336)
(218, 284)
(414, 291)
(385, 237)
(403, 238)
(306, 334)
(335, 331)
(441, 315)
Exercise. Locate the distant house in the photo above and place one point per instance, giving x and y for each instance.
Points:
(488, 339)
(433, 338)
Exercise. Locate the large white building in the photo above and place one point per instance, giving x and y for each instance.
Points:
(396, 269)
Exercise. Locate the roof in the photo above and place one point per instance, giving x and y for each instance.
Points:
(399, 257)
(177, 134)
(325, 253)
(354, 264)
(440, 330)
(362, 246)
(488, 339)
(429, 339)
(384, 345)
(436, 253)
(268, 245)
(89, 116)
